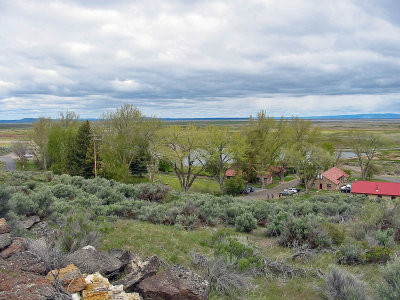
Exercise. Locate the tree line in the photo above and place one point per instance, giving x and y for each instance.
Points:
(125, 142)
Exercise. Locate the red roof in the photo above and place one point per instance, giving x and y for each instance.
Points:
(230, 173)
(376, 188)
(334, 174)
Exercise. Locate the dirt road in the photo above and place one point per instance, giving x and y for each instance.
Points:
(10, 162)
(262, 193)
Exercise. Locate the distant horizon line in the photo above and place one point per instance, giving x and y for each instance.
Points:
(391, 116)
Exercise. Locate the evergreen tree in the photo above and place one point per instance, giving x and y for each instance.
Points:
(80, 152)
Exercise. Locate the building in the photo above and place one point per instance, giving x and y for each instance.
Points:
(232, 173)
(374, 189)
(330, 180)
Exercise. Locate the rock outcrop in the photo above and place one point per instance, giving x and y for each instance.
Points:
(4, 228)
(23, 274)
(5, 240)
(175, 283)
(89, 260)
(137, 270)
(29, 222)
(15, 246)
(99, 288)
(69, 277)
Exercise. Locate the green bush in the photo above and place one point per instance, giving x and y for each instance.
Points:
(378, 254)
(389, 289)
(151, 192)
(385, 237)
(64, 191)
(22, 204)
(351, 253)
(245, 223)
(78, 231)
(304, 230)
(277, 224)
(5, 195)
(234, 185)
(335, 232)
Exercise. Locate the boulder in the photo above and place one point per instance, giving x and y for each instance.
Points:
(43, 230)
(175, 283)
(5, 240)
(28, 262)
(4, 227)
(29, 222)
(16, 246)
(137, 270)
(89, 260)
(69, 277)
(16, 284)
(99, 288)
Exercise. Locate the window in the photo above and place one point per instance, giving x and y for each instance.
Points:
(379, 196)
(393, 197)
(328, 185)
(313, 184)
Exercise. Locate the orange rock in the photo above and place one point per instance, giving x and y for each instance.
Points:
(70, 278)
(13, 248)
(97, 288)
(4, 228)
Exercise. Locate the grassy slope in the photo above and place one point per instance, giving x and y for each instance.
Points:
(174, 246)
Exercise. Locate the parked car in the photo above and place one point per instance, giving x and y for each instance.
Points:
(247, 190)
(286, 192)
(346, 188)
(294, 190)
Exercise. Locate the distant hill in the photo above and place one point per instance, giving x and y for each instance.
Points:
(333, 117)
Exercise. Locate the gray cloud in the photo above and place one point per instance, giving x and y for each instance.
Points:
(199, 58)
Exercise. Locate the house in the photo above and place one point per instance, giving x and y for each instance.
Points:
(374, 189)
(231, 173)
(330, 180)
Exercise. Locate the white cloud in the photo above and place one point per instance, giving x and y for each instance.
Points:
(178, 55)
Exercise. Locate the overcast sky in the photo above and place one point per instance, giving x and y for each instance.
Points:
(199, 58)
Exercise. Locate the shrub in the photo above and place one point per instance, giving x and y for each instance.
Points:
(223, 275)
(152, 213)
(389, 289)
(351, 253)
(277, 224)
(5, 195)
(109, 195)
(385, 238)
(335, 232)
(128, 190)
(234, 186)
(245, 223)
(303, 230)
(50, 254)
(151, 192)
(64, 191)
(340, 284)
(44, 200)
(378, 254)
(78, 232)
(22, 204)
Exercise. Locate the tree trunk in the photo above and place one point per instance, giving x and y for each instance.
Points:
(262, 182)
(45, 162)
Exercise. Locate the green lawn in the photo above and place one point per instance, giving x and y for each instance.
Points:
(200, 185)
(30, 166)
